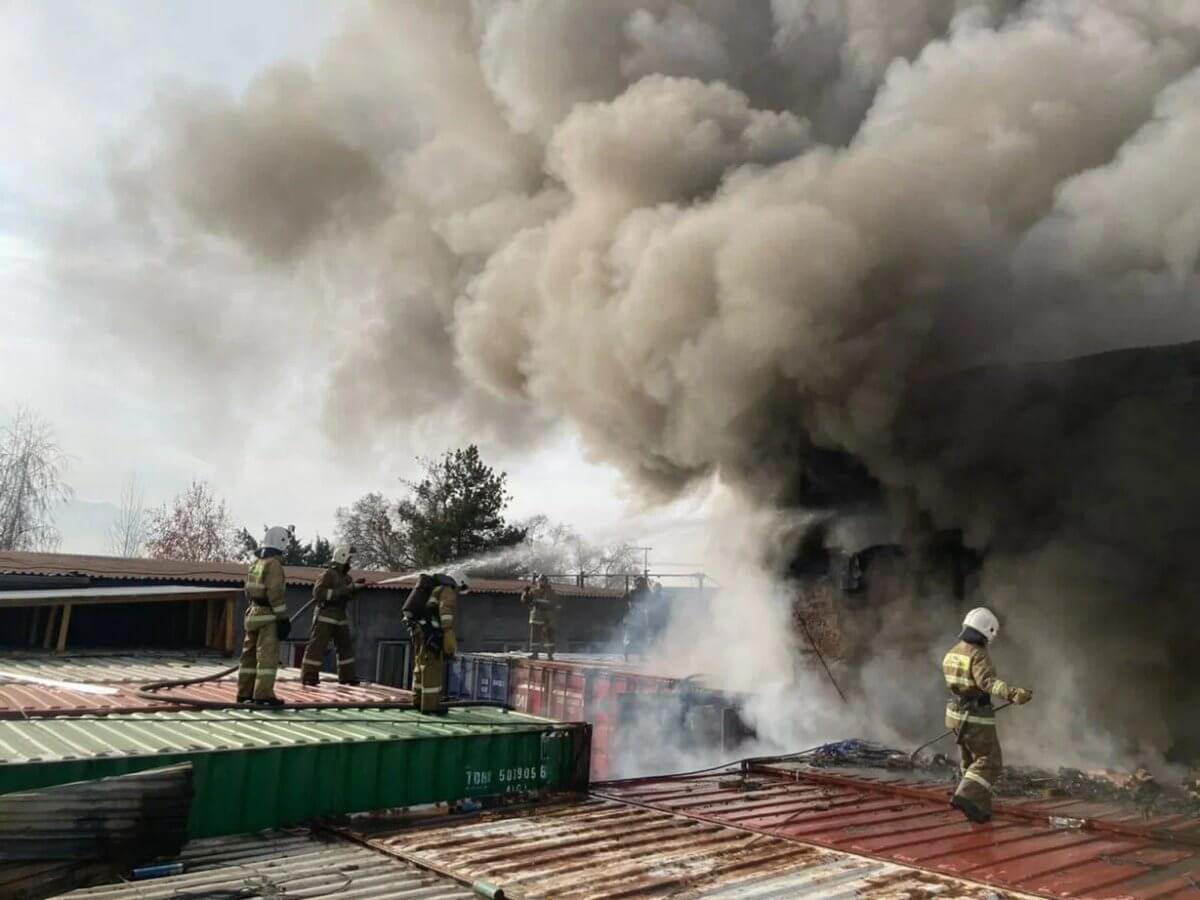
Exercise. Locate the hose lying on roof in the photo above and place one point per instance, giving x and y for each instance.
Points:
(151, 692)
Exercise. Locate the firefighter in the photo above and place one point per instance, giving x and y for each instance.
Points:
(972, 681)
(331, 593)
(544, 608)
(636, 617)
(429, 612)
(266, 622)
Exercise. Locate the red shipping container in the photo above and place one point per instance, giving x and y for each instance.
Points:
(573, 691)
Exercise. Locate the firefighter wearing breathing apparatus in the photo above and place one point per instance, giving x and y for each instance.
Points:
(544, 608)
(972, 681)
(429, 614)
(331, 593)
(266, 621)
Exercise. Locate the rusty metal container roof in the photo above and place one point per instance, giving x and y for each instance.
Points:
(601, 849)
(43, 685)
(109, 668)
(22, 700)
(1022, 849)
(279, 864)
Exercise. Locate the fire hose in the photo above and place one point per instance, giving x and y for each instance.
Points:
(156, 691)
(952, 731)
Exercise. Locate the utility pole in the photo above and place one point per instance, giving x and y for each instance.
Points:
(645, 559)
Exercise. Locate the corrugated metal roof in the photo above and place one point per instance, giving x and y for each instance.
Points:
(1125, 817)
(915, 826)
(132, 818)
(152, 734)
(515, 586)
(114, 668)
(18, 700)
(601, 849)
(40, 879)
(651, 666)
(279, 864)
(234, 573)
(92, 596)
(113, 567)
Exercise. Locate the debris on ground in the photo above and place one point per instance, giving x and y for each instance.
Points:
(859, 753)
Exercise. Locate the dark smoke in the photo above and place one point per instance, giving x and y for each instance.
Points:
(733, 239)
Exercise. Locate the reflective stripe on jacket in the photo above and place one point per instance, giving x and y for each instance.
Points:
(333, 588)
(445, 600)
(266, 586)
(972, 681)
(543, 605)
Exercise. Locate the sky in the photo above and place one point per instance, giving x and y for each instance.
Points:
(74, 79)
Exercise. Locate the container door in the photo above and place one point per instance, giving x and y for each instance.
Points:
(500, 669)
(483, 679)
(393, 663)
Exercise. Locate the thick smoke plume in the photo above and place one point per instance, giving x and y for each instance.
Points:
(733, 239)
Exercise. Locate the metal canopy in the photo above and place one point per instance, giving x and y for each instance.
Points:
(95, 596)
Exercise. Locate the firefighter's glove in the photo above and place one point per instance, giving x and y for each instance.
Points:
(1021, 696)
(283, 628)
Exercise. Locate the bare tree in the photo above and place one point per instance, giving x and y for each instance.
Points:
(31, 466)
(130, 529)
(195, 527)
(372, 528)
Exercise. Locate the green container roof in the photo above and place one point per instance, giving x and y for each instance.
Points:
(255, 769)
(214, 731)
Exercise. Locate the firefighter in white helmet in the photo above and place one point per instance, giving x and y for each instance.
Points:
(972, 681)
(266, 621)
(332, 592)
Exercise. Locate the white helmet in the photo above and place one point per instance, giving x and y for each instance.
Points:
(341, 554)
(984, 621)
(276, 538)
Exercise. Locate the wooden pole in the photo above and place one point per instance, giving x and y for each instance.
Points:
(34, 616)
(229, 627)
(48, 640)
(62, 628)
(210, 624)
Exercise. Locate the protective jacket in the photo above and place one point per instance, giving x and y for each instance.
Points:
(434, 639)
(266, 586)
(266, 590)
(334, 588)
(972, 680)
(543, 604)
(332, 592)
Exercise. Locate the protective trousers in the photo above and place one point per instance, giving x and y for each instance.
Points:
(329, 622)
(542, 636)
(260, 654)
(429, 676)
(981, 764)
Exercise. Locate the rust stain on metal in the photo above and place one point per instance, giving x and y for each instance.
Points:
(604, 849)
(20, 700)
(1113, 856)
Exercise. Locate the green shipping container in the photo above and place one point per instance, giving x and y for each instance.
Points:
(259, 769)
